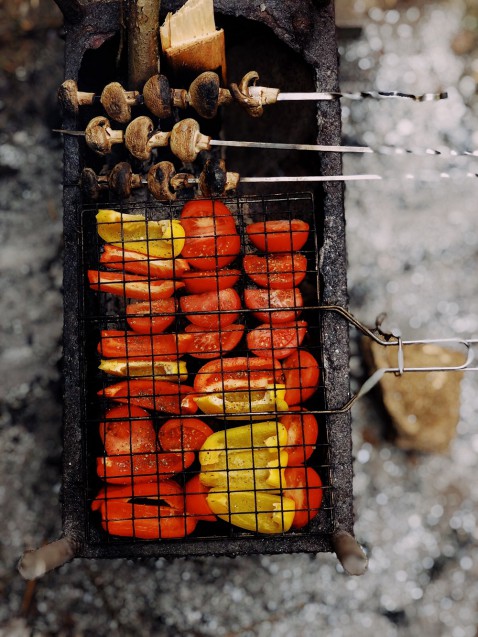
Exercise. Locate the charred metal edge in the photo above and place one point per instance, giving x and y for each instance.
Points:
(312, 34)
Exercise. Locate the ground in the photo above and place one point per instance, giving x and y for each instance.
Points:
(412, 247)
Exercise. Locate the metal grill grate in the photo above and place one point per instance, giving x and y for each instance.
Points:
(102, 311)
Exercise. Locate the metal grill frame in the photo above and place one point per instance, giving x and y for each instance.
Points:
(316, 42)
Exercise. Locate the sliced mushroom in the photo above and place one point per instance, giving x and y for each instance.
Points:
(157, 96)
(159, 181)
(70, 98)
(122, 180)
(117, 102)
(187, 141)
(205, 95)
(100, 137)
(140, 140)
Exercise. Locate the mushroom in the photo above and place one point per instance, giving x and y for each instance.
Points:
(92, 184)
(122, 180)
(187, 141)
(100, 137)
(253, 105)
(214, 181)
(70, 98)
(157, 96)
(140, 140)
(117, 102)
(159, 181)
(205, 96)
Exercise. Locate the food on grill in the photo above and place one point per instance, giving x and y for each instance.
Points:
(115, 258)
(212, 310)
(212, 343)
(154, 510)
(132, 286)
(278, 235)
(142, 467)
(183, 434)
(271, 341)
(304, 486)
(140, 138)
(302, 375)
(125, 344)
(276, 271)
(240, 373)
(200, 281)
(147, 367)
(302, 434)
(243, 405)
(117, 102)
(212, 240)
(196, 500)
(163, 239)
(154, 395)
(283, 306)
(127, 429)
(151, 317)
(261, 512)
(100, 137)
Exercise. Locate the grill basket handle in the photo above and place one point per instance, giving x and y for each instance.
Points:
(35, 563)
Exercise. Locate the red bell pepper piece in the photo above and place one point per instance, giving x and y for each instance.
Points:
(116, 258)
(132, 286)
(142, 467)
(196, 502)
(148, 511)
(155, 395)
(126, 344)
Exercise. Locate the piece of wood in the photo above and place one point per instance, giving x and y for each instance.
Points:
(143, 42)
(190, 41)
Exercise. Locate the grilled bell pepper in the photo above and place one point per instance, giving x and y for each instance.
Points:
(155, 395)
(142, 467)
(128, 344)
(255, 511)
(132, 286)
(148, 511)
(116, 258)
(163, 239)
(238, 405)
(160, 370)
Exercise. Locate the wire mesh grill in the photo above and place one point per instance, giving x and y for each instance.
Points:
(217, 344)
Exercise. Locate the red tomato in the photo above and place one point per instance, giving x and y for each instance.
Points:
(196, 502)
(276, 271)
(302, 374)
(132, 286)
(211, 344)
(142, 467)
(212, 310)
(125, 344)
(183, 434)
(156, 395)
(151, 318)
(116, 258)
(229, 374)
(211, 236)
(278, 236)
(304, 486)
(127, 429)
(302, 434)
(276, 342)
(199, 281)
(285, 302)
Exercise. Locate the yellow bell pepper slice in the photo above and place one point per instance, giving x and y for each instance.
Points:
(248, 470)
(254, 511)
(147, 368)
(237, 405)
(164, 239)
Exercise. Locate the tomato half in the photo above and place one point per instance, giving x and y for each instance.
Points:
(302, 434)
(199, 281)
(212, 240)
(276, 341)
(210, 343)
(132, 286)
(127, 429)
(212, 310)
(286, 303)
(126, 344)
(196, 500)
(151, 318)
(276, 271)
(183, 434)
(241, 373)
(302, 375)
(278, 236)
(304, 486)
(116, 258)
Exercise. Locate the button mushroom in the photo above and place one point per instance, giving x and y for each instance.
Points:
(100, 137)
(70, 98)
(157, 96)
(205, 95)
(159, 181)
(187, 141)
(122, 180)
(117, 102)
(140, 139)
